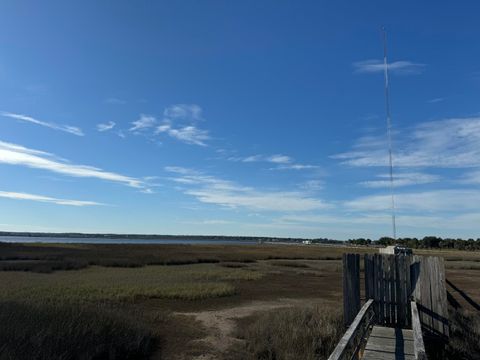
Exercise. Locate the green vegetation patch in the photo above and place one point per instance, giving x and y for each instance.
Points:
(187, 282)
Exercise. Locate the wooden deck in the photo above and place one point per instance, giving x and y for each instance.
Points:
(389, 344)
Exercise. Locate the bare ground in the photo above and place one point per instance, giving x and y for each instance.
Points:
(220, 324)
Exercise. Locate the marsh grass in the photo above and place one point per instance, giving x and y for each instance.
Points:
(53, 257)
(186, 282)
(463, 264)
(293, 264)
(464, 342)
(38, 331)
(233, 265)
(309, 333)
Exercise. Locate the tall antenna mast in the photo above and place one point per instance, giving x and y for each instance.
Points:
(389, 131)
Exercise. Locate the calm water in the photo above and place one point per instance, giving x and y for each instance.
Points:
(22, 239)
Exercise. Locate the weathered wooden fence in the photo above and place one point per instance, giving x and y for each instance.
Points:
(430, 294)
(392, 281)
(387, 281)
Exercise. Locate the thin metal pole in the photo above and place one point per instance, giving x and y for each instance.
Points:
(389, 130)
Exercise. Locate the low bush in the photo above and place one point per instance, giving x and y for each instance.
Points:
(53, 331)
(293, 333)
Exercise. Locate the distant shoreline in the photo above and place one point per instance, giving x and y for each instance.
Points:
(72, 235)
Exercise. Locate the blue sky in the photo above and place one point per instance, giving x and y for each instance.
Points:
(238, 118)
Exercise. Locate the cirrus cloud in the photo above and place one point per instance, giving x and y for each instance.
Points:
(46, 199)
(397, 67)
(212, 190)
(65, 128)
(106, 126)
(14, 154)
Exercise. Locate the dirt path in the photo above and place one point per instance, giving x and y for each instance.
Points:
(220, 324)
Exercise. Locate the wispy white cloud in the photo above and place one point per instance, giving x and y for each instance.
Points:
(435, 201)
(106, 126)
(188, 134)
(183, 111)
(212, 190)
(180, 123)
(13, 154)
(295, 167)
(471, 177)
(435, 100)
(282, 162)
(279, 159)
(66, 128)
(276, 159)
(418, 222)
(396, 67)
(451, 143)
(401, 179)
(46, 199)
(143, 123)
(251, 158)
(312, 185)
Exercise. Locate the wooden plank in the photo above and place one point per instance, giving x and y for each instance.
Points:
(442, 298)
(386, 293)
(343, 346)
(426, 291)
(408, 288)
(437, 323)
(392, 287)
(376, 289)
(381, 283)
(418, 345)
(369, 277)
(389, 344)
(400, 293)
(430, 295)
(386, 289)
(439, 299)
(351, 287)
(415, 281)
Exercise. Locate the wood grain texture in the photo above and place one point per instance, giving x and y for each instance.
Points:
(418, 345)
(351, 287)
(346, 347)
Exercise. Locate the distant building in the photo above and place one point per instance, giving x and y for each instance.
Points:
(306, 242)
(396, 250)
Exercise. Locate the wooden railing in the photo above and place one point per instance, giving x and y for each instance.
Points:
(418, 345)
(351, 342)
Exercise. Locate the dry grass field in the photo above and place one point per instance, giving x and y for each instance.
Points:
(190, 301)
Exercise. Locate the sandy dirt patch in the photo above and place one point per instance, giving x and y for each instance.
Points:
(220, 324)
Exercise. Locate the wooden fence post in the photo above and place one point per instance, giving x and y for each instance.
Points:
(351, 287)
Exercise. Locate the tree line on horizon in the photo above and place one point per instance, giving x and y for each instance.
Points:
(428, 242)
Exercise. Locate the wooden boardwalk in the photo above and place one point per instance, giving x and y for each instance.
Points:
(405, 297)
(389, 344)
